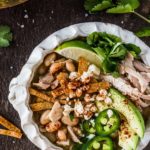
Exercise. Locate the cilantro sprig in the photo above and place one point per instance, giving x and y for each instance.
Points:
(111, 50)
(5, 36)
(118, 7)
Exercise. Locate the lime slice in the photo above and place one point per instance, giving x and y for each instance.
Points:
(74, 43)
(74, 51)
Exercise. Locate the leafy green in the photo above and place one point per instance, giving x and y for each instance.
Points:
(133, 48)
(5, 36)
(120, 9)
(118, 51)
(71, 116)
(90, 4)
(144, 32)
(97, 5)
(114, 6)
(124, 6)
(111, 50)
(101, 6)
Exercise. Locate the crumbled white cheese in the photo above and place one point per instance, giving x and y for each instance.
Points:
(91, 136)
(85, 77)
(94, 69)
(67, 99)
(103, 92)
(78, 107)
(67, 110)
(99, 98)
(108, 100)
(109, 113)
(73, 75)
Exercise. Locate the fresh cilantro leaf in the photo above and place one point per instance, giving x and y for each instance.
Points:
(5, 36)
(71, 116)
(134, 3)
(144, 32)
(118, 51)
(124, 6)
(109, 66)
(89, 4)
(133, 48)
(115, 74)
(119, 9)
(101, 6)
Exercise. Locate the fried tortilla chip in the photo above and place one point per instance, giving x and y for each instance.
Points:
(38, 100)
(40, 95)
(95, 87)
(41, 106)
(83, 65)
(8, 125)
(57, 92)
(11, 133)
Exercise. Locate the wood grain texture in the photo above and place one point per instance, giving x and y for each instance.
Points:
(45, 17)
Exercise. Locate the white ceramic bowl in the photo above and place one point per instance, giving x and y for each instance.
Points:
(19, 95)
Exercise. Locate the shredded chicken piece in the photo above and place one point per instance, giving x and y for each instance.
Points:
(63, 143)
(72, 134)
(143, 83)
(127, 89)
(146, 76)
(44, 82)
(141, 66)
(132, 73)
(56, 112)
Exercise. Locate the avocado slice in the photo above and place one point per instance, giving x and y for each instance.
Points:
(131, 113)
(128, 139)
(129, 143)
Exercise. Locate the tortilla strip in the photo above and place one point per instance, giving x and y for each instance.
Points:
(83, 65)
(11, 133)
(8, 125)
(57, 92)
(39, 100)
(41, 106)
(95, 87)
(40, 95)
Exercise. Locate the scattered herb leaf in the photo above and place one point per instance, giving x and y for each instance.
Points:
(111, 50)
(144, 32)
(71, 116)
(5, 36)
(114, 7)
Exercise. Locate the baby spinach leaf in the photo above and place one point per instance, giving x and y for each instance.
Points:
(144, 32)
(5, 36)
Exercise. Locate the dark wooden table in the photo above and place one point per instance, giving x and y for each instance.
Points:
(31, 23)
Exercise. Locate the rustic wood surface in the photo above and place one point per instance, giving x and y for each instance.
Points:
(44, 17)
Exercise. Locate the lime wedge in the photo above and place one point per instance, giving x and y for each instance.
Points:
(74, 50)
